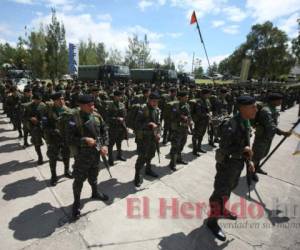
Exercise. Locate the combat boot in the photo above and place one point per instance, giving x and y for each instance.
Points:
(40, 156)
(172, 164)
(195, 152)
(217, 231)
(53, 180)
(138, 177)
(180, 160)
(67, 172)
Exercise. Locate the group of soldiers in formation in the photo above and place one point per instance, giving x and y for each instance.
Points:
(85, 120)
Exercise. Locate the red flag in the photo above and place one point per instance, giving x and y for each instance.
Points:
(193, 18)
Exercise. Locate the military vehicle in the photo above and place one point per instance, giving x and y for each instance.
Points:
(103, 72)
(153, 75)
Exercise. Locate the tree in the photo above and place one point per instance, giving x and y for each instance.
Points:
(37, 52)
(267, 48)
(198, 72)
(57, 54)
(115, 57)
(212, 69)
(296, 45)
(168, 63)
(138, 52)
(101, 53)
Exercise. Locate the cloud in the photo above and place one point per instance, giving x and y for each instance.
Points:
(231, 29)
(218, 23)
(104, 17)
(174, 34)
(145, 4)
(289, 25)
(234, 13)
(5, 30)
(272, 9)
(24, 1)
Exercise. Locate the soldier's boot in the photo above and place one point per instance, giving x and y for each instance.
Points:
(149, 171)
(98, 195)
(26, 144)
(110, 156)
(138, 177)
(172, 164)
(20, 133)
(195, 151)
(40, 156)
(180, 160)
(53, 180)
(67, 172)
(199, 147)
(212, 224)
(119, 155)
(165, 137)
(77, 186)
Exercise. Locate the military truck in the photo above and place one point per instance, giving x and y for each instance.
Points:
(153, 75)
(106, 72)
(186, 79)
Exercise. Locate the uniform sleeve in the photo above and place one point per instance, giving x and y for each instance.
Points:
(266, 120)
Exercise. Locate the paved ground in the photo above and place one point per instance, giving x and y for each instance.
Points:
(36, 216)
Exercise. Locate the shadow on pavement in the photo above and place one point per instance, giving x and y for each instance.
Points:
(271, 214)
(11, 147)
(23, 188)
(39, 221)
(115, 189)
(14, 166)
(200, 238)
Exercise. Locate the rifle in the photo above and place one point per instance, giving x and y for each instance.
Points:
(155, 133)
(90, 125)
(249, 177)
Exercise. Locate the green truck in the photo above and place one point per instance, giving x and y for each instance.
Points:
(106, 72)
(153, 75)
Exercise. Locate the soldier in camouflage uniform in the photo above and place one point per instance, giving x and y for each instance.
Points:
(141, 99)
(266, 127)
(180, 122)
(201, 117)
(117, 127)
(165, 113)
(14, 106)
(56, 144)
(33, 116)
(88, 143)
(230, 156)
(147, 138)
(26, 99)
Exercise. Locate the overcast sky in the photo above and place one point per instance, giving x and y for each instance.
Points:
(224, 23)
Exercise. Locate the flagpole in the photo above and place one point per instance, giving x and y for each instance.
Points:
(204, 48)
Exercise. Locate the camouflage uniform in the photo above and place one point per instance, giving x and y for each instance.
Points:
(180, 128)
(146, 141)
(201, 116)
(57, 148)
(116, 109)
(266, 127)
(87, 158)
(36, 110)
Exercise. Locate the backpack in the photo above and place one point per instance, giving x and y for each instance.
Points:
(132, 114)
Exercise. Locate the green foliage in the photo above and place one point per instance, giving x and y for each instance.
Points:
(91, 53)
(56, 54)
(138, 52)
(267, 48)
